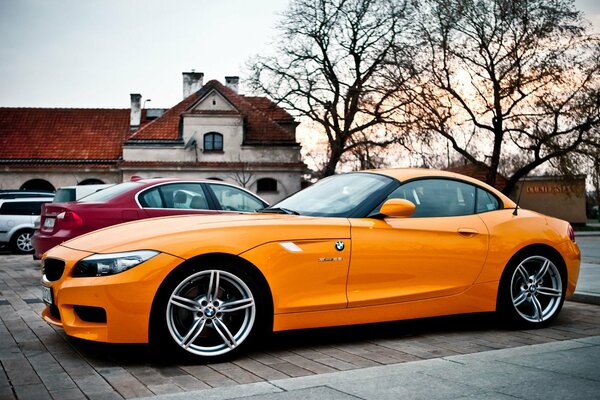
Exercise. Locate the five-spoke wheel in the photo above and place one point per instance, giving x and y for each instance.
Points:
(532, 290)
(209, 312)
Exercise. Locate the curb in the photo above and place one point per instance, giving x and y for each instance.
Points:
(588, 298)
(586, 233)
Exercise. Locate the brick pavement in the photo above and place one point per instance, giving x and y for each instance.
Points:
(41, 362)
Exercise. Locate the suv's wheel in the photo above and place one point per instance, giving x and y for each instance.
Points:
(532, 289)
(207, 313)
(21, 241)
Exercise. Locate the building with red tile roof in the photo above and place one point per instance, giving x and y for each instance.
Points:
(477, 172)
(214, 132)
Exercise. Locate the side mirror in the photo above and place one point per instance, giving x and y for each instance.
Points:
(397, 208)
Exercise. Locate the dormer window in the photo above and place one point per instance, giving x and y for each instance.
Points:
(213, 141)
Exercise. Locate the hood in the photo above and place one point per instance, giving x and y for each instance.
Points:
(189, 235)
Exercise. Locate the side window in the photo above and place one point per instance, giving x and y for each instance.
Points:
(21, 208)
(438, 197)
(213, 141)
(151, 198)
(234, 199)
(189, 196)
(486, 201)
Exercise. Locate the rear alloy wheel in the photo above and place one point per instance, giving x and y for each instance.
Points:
(533, 290)
(21, 242)
(209, 313)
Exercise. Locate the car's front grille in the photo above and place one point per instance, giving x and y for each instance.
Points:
(53, 269)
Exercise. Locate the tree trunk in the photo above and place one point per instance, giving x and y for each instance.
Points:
(332, 162)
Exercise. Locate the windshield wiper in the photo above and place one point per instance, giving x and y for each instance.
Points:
(278, 210)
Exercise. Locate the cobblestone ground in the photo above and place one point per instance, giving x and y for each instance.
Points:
(40, 361)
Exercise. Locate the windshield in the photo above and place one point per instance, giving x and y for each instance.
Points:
(110, 192)
(337, 196)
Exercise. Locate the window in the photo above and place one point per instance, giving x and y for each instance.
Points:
(266, 185)
(110, 192)
(438, 197)
(189, 196)
(233, 199)
(213, 141)
(342, 195)
(64, 194)
(486, 201)
(21, 208)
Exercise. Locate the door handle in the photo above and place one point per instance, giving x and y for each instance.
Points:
(468, 232)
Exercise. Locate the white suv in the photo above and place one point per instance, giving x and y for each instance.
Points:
(17, 219)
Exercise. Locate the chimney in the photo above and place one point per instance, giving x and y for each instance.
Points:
(136, 111)
(232, 82)
(192, 82)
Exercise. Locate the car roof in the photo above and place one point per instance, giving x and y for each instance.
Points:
(22, 199)
(405, 174)
(17, 194)
(162, 180)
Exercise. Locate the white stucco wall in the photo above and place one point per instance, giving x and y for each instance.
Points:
(196, 126)
(154, 153)
(13, 179)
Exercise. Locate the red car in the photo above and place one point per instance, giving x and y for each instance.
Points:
(138, 199)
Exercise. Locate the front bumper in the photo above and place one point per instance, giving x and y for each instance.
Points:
(126, 298)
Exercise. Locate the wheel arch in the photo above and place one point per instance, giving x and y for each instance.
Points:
(539, 248)
(203, 259)
(19, 228)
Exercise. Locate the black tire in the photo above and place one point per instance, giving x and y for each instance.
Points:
(532, 289)
(21, 242)
(189, 321)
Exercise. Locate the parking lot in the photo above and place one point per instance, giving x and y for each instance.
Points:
(39, 361)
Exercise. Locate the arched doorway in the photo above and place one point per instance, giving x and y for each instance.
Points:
(91, 181)
(38, 184)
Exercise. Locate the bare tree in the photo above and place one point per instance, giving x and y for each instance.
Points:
(242, 173)
(501, 77)
(334, 64)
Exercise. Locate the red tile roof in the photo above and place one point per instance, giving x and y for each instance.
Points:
(259, 115)
(272, 110)
(477, 172)
(62, 134)
(63, 137)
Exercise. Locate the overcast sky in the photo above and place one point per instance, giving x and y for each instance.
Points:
(93, 53)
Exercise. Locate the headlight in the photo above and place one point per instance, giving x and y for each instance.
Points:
(110, 264)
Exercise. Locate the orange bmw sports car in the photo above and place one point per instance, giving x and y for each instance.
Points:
(354, 248)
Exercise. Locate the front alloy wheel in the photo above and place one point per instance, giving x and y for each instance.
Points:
(535, 292)
(211, 312)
